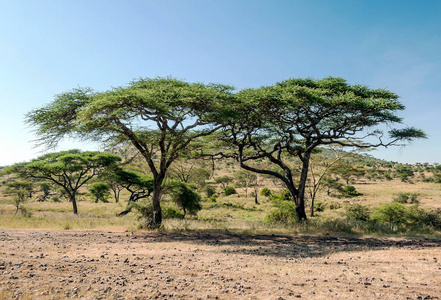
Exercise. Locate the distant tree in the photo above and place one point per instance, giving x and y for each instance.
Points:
(100, 191)
(139, 186)
(224, 181)
(190, 171)
(346, 171)
(318, 168)
(68, 169)
(45, 188)
(294, 117)
(20, 190)
(162, 118)
(185, 196)
(404, 172)
(245, 180)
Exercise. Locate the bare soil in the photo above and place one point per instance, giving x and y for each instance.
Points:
(164, 265)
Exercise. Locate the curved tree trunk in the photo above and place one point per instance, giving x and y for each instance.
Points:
(300, 204)
(156, 200)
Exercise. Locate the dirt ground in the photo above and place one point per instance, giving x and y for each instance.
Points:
(164, 265)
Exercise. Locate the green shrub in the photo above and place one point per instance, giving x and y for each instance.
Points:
(265, 192)
(172, 213)
(319, 206)
(407, 198)
(357, 212)
(213, 198)
(350, 190)
(229, 190)
(185, 197)
(100, 191)
(286, 194)
(334, 205)
(393, 214)
(419, 219)
(145, 209)
(285, 213)
(210, 191)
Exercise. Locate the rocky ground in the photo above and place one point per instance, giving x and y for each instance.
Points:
(163, 265)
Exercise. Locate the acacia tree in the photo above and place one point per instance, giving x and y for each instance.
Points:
(162, 118)
(294, 117)
(20, 189)
(139, 185)
(68, 169)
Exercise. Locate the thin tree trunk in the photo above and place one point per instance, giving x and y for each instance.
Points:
(74, 203)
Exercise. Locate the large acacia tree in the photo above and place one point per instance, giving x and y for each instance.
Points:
(294, 117)
(162, 118)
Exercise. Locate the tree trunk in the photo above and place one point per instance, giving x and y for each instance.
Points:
(300, 204)
(156, 201)
(157, 212)
(312, 206)
(74, 203)
(256, 201)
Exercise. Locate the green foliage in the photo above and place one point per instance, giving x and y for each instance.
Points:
(265, 192)
(100, 191)
(357, 212)
(350, 191)
(285, 213)
(213, 198)
(229, 190)
(210, 190)
(404, 172)
(223, 180)
(68, 169)
(172, 213)
(46, 189)
(145, 210)
(407, 198)
(393, 214)
(20, 189)
(185, 197)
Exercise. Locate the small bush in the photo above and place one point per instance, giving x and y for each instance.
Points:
(350, 191)
(357, 212)
(265, 192)
(319, 206)
(407, 198)
(100, 191)
(334, 205)
(229, 190)
(185, 197)
(286, 194)
(213, 198)
(285, 213)
(393, 214)
(172, 213)
(210, 191)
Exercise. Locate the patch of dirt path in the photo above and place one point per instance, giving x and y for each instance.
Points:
(158, 265)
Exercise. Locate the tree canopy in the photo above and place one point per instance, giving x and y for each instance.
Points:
(294, 117)
(162, 118)
(165, 119)
(68, 169)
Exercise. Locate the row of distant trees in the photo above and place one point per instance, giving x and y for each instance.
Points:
(166, 119)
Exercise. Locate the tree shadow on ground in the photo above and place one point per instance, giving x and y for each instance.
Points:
(287, 246)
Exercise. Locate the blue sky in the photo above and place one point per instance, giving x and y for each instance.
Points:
(48, 47)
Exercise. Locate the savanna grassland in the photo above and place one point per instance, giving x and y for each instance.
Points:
(228, 251)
